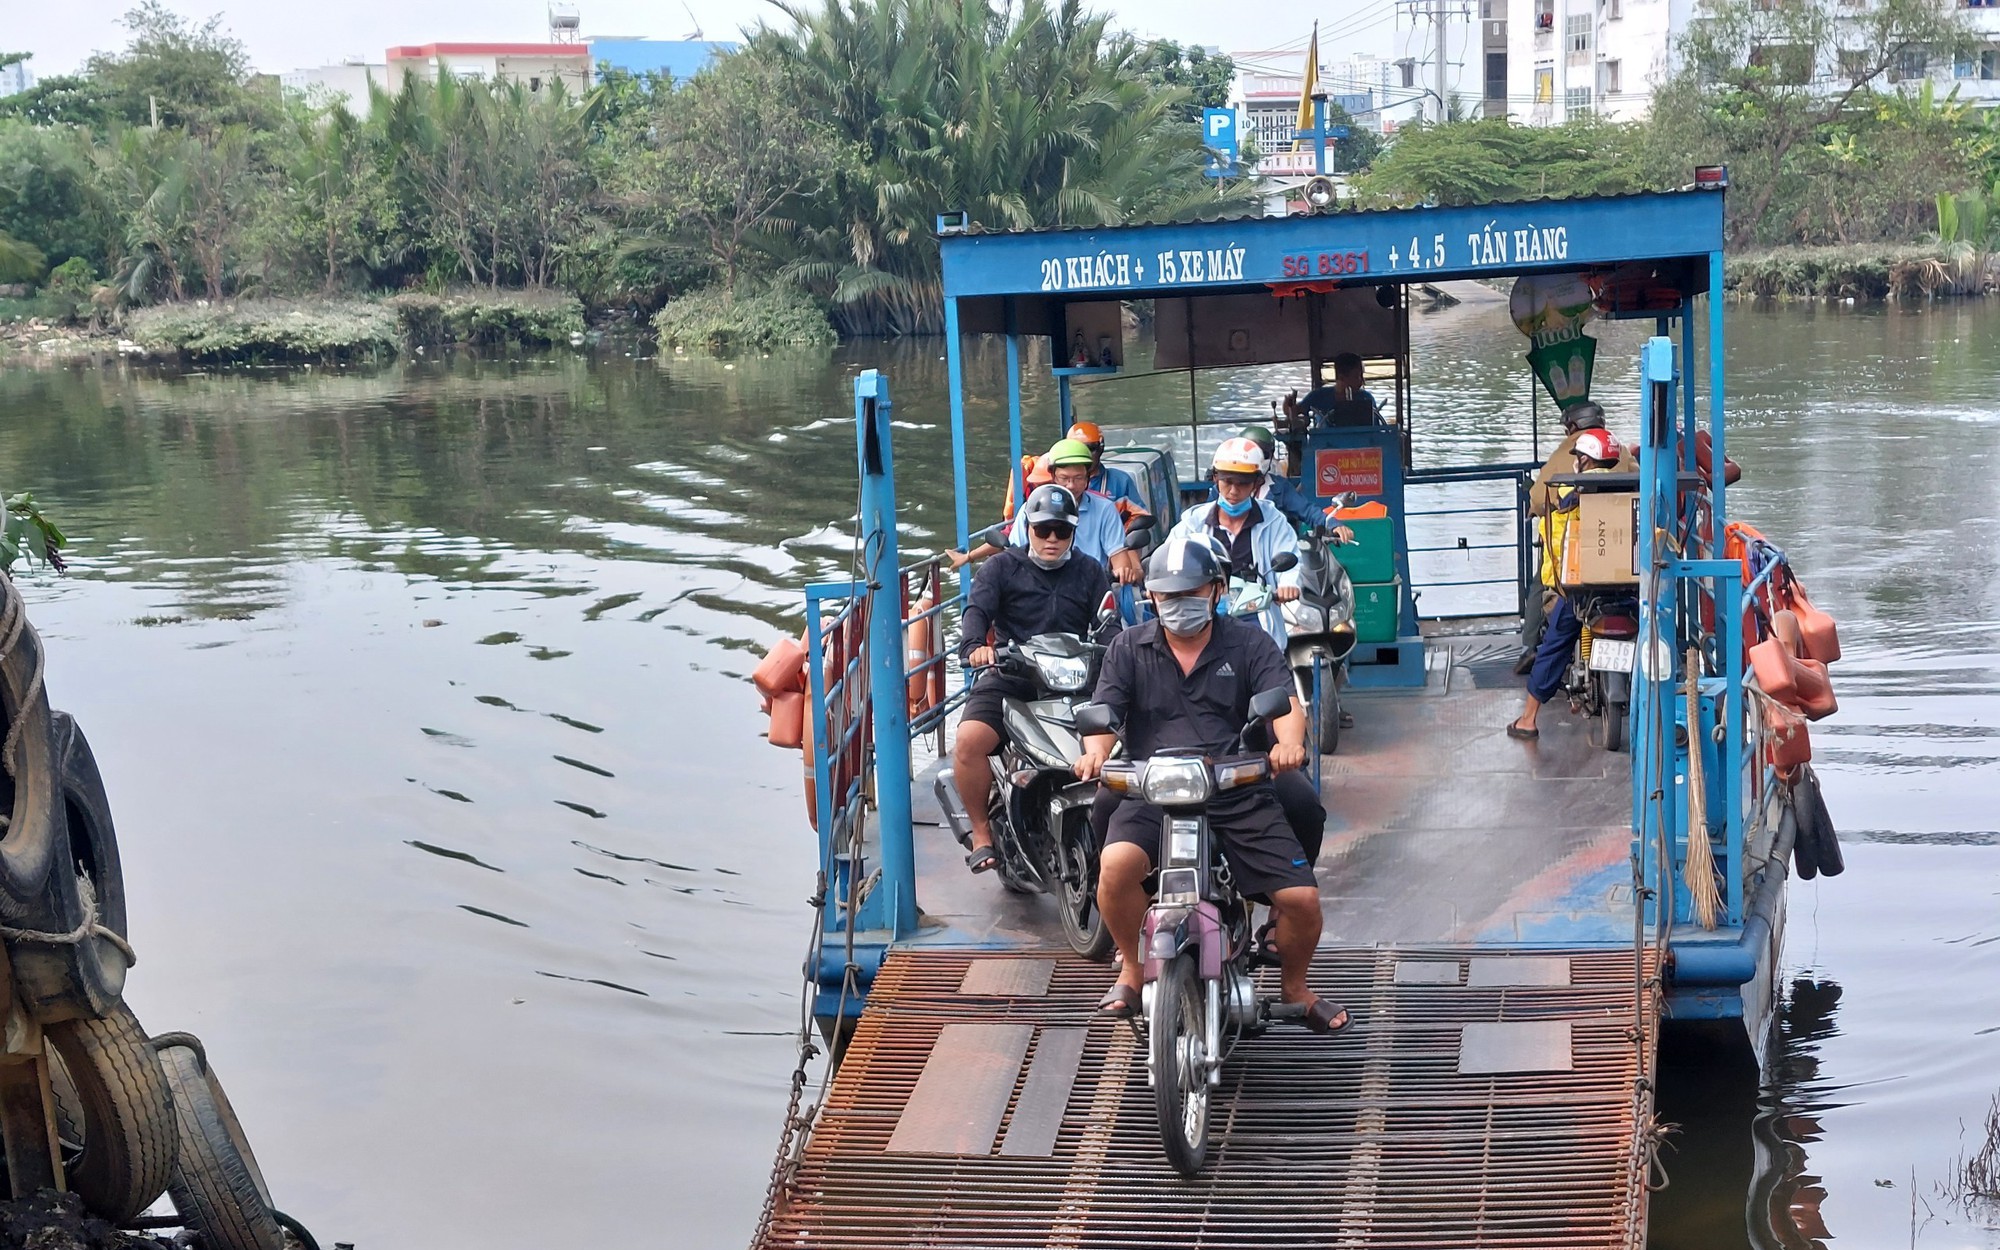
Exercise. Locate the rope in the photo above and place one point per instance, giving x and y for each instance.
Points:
(1699, 870)
(90, 928)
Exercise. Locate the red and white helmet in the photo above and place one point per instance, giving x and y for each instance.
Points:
(1598, 445)
(1238, 455)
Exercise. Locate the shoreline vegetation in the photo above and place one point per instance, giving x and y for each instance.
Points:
(169, 202)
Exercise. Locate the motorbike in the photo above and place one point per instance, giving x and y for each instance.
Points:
(1039, 811)
(1199, 941)
(1599, 680)
(1319, 629)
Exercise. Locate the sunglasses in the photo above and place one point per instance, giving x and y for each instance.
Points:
(1052, 529)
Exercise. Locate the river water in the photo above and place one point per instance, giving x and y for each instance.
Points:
(447, 823)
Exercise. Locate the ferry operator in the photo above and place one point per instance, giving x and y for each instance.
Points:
(1185, 680)
(1023, 591)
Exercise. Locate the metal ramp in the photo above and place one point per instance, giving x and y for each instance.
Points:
(1484, 1098)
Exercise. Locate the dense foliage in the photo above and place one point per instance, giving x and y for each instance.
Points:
(817, 158)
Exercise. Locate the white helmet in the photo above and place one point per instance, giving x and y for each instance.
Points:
(1238, 455)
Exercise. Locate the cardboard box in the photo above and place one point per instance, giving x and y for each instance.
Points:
(1598, 550)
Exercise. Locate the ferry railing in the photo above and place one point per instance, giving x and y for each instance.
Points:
(840, 719)
(1520, 541)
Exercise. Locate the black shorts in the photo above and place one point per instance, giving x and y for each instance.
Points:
(982, 702)
(1264, 854)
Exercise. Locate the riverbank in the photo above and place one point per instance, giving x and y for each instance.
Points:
(1863, 274)
(318, 331)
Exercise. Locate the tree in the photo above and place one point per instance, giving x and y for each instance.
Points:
(1475, 162)
(188, 75)
(734, 158)
(1204, 80)
(1758, 81)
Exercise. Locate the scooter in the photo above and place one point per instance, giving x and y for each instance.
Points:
(1319, 629)
(1039, 811)
(1199, 942)
(1600, 672)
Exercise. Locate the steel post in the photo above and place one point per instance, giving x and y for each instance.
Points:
(1017, 480)
(955, 376)
(892, 904)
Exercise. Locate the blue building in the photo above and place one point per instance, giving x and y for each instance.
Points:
(681, 58)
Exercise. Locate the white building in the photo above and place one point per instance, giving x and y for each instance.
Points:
(346, 83)
(16, 78)
(1265, 94)
(1567, 57)
(536, 66)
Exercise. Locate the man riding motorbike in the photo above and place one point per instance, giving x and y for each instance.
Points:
(1278, 489)
(1021, 592)
(1576, 418)
(1592, 451)
(1100, 527)
(1253, 531)
(1185, 681)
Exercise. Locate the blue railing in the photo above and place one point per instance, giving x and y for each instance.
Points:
(1519, 535)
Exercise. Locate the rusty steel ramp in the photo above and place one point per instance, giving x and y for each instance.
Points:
(1484, 1098)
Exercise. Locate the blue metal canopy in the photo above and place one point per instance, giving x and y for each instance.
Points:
(1401, 245)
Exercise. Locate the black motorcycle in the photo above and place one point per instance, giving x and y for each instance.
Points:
(1599, 681)
(1040, 812)
(1319, 633)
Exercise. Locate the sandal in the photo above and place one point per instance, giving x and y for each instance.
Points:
(1516, 731)
(1321, 1015)
(982, 859)
(1120, 1002)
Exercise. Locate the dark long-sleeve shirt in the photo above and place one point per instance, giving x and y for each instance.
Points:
(1016, 599)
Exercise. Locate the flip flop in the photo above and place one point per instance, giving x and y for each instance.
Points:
(1320, 1017)
(1515, 731)
(1120, 1002)
(982, 859)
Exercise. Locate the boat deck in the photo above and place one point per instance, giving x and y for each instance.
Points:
(1479, 926)
(1440, 828)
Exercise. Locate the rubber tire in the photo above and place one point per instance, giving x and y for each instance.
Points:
(93, 838)
(1615, 717)
(1178, 1007)
(1089, 937)
(1328, 728)
(217, 1187)
(128, 1113)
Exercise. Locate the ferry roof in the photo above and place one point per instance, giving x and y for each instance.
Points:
(1349, 248)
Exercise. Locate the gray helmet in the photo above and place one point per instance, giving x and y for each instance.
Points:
(1050, 503)
(1183, 564)
(1587, 415)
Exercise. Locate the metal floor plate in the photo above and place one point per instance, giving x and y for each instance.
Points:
(1376, 1138)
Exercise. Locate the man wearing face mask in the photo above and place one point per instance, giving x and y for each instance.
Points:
(1043, 588)
(1253, 531)
(1185, 681)
(1100, 529)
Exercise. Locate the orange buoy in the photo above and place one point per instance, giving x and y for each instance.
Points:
(782, 668)
(1704, 461)
(788, 719)
(1789, 744)
(920, 654)
(1817, 631)
(812, 787)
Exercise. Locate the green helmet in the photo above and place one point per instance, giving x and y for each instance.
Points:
(1266, 441)
(1070, 451)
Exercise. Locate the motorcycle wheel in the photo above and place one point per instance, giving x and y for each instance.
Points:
(1327, 723)
(1082, 924)
(1180, 1083)
(1614, 726)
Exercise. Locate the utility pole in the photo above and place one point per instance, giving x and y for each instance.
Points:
(1437, 23)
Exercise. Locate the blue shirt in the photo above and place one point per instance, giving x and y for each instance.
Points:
(1116, 483)
(1099, 529)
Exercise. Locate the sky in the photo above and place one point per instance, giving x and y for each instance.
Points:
(288, 34)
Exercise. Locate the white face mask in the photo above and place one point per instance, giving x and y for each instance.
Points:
(1058, 562)
(1186, 615)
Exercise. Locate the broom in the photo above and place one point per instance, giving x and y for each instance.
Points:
(1704, 893)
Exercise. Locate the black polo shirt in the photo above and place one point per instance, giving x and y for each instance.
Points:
(1017, 599)
(1205, 709)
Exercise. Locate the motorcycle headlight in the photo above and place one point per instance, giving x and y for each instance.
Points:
(1176, 783)
(1064, 674)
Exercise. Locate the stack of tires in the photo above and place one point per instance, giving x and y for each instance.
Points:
(136, 1116)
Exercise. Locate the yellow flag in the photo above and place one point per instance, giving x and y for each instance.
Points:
(1306, 119)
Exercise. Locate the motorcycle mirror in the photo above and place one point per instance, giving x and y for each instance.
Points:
(1271, 703)
(1345, 499)
(994, 535)
(1137, 538)
(1284, 562)
(1095, 718)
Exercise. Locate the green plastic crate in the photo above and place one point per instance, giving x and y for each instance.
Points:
(1377, 610)
(1371, 557)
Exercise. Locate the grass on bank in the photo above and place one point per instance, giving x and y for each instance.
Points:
(338, 331)
(1865, 274)
(774, 317)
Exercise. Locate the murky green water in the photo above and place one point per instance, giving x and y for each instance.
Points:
(448, 826)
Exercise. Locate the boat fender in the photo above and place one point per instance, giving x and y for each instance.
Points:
(1818, 632)
(1816, 824)
(1805, 845)
(1789, 746)
(1704, 460)
(788, 720)
(1794, 682)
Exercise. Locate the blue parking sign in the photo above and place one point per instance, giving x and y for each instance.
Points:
(1218, 132)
